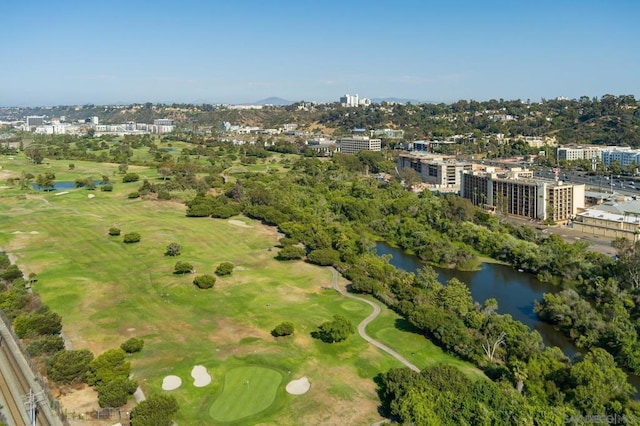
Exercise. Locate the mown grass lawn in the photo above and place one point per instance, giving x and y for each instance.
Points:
(247, 391)
(108, 291)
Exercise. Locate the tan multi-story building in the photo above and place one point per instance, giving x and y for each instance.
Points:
(442, 171)
(355, 144)
(515, 192)
(537, 141)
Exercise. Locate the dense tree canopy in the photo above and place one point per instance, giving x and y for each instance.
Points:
(157, 410)
(108, 366)
(69, 366)
(37, 323)
(334, 331)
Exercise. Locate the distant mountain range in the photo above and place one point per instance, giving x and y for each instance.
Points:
(282, 102)
(272, 101)
(396, 100)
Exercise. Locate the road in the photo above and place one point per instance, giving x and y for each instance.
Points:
(620, 186)
(363, 325)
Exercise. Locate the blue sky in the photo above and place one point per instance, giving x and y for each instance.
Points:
(239, 51)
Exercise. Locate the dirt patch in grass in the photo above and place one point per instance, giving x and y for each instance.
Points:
(6, 174)
(322, 406)
(79, 399)
(238, 223)
(229, 332)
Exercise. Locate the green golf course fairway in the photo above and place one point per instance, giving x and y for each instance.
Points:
(247, 391)
(107, 291)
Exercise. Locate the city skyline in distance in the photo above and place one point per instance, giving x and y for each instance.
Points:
(240, 52)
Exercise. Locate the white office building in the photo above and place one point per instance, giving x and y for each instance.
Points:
(354, 101)
(355, 144)
(441, 171)
(624, 156)
(576, 152)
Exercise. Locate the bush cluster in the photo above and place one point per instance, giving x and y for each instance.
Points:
(130, 177)
(225, 268)
(284, 329)
(204, 281)
(132, 237)
(182, 267)
(173, 249)
(132, 345)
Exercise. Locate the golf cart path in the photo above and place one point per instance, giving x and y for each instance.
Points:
(365, 322)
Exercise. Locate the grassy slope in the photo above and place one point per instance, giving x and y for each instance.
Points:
(107, 291)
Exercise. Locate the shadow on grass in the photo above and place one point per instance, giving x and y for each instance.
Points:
(404, 325)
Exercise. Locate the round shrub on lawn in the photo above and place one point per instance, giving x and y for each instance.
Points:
(132, 237)
(130, 177)
(284, 329)
(114, 232)
(225, 268)
(204, 281)
(182, 267)
(132, 345)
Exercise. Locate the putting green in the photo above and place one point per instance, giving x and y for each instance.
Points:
(247, 391)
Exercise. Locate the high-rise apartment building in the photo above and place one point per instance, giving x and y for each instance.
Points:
(516, 193)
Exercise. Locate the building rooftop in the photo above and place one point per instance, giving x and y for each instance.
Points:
(598, 194)
(614, 217)
(620, 207)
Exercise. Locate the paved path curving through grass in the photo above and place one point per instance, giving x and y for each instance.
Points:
(363, 325)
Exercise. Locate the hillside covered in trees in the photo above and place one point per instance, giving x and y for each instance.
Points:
(608, 120)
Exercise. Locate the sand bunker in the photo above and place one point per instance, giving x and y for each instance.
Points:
(200, 376)
(62, 193)
(298, 387)
(171, 383)
(90, 196)
(239, 223)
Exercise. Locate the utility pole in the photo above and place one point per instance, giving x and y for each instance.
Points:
(31, 401)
